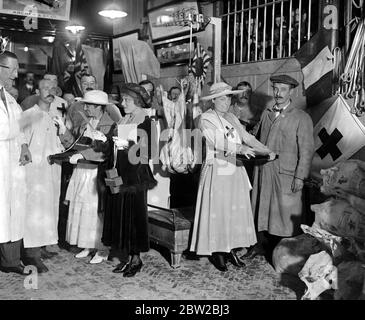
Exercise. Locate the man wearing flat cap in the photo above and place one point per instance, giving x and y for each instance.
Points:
(277, 192)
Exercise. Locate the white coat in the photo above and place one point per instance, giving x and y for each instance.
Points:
(43, 182)
(12, 175)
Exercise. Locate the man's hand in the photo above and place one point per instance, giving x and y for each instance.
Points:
(297, 185)
(59, 123)
(25, 155)
(76, 157)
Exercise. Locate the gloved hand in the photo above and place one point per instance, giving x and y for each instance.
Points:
(76, 157)
(59, 123)
(121, 144)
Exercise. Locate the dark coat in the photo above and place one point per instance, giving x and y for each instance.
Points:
(126, 220)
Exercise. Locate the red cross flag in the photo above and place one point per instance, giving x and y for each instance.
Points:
(338, 135)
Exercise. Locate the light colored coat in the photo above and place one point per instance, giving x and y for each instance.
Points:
(290, 135)
(12, 175)
(43, 182)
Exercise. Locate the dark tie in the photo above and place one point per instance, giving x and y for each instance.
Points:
(2, 94)
(276, 109)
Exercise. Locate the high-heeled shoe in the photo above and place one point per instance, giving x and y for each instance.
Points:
(218, 262)
(121, 267)
(132, 269)
(237, 262)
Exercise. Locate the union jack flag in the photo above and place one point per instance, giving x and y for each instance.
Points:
(80, 68)
(200, 63)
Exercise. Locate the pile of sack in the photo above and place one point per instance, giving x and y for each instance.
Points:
(330, 255)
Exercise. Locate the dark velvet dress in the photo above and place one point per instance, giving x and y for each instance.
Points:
(126, 222)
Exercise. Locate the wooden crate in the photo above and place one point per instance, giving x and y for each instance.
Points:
(171, 228)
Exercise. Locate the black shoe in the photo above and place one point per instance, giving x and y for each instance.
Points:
(45, 254)
(132, 269)
(218, 262)
(232, 257)
(74, 249)
(18, 269)
(255, 251)
(121, 267)
(37, 262)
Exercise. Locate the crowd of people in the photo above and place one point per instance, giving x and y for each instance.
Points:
(106, 190)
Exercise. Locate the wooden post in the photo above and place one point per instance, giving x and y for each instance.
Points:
(217, 43)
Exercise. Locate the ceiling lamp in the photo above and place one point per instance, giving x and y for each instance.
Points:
(112, 12)
(75, 28)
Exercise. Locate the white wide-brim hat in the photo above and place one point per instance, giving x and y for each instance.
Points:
(96, 97)
(220, 89)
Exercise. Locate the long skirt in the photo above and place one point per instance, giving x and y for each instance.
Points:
(223, 214)
(85, 223)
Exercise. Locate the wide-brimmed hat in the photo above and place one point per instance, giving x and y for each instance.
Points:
(97, 97)
(138, 92)
(220, 89)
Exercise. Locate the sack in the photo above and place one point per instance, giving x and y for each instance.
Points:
(348, 176)
(290, 254)
(340, 218)
(319, 274)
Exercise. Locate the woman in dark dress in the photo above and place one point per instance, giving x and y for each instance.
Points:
(126, 222)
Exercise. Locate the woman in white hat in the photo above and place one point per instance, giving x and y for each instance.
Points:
(85, 218)
(223, 216)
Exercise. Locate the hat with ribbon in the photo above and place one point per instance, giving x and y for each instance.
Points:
(96, 97)
(137, 92)
(220, 89)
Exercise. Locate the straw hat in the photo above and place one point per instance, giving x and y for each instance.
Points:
(96, 97)
(220, 89)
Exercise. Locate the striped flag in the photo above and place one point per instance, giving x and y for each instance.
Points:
(316, 61)
(315, 56)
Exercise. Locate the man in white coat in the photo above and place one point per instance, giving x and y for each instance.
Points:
(13, 156)
(43, 180)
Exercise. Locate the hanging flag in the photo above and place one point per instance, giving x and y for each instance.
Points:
(338, 135)
(315, 56)
(81, 66)
(200, 63)
(73, 73)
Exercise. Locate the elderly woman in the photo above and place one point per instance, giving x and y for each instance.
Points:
(223, 216)
(85, 218)
(126, 221)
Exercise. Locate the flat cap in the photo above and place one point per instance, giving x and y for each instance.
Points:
(283, 78)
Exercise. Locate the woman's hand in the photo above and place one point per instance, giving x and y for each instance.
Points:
(76, 157)
(247, 151)
(272, 156)
(121, 144)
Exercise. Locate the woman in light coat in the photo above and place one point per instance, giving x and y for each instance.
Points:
(223, 216)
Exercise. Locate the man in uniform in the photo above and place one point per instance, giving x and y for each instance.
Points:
(277, 192)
